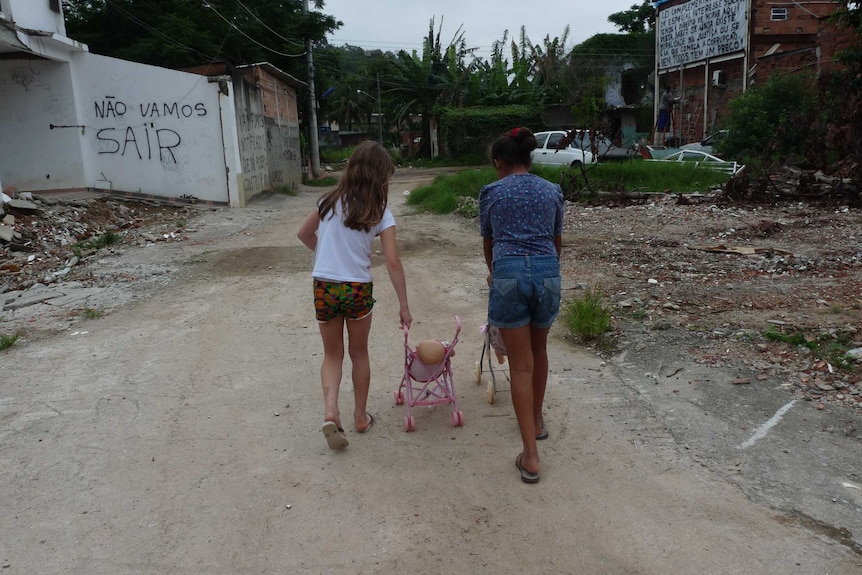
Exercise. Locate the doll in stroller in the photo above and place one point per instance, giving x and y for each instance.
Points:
(427, 377)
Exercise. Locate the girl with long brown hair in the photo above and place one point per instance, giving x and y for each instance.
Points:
(340, 232)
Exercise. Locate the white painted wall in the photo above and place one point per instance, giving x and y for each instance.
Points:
(117, 125)
(34, 15)
(34, 95)
(150, 130)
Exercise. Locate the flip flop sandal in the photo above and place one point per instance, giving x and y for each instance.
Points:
(526, 476)
(370, 423)
(544, 434)
(334, 435)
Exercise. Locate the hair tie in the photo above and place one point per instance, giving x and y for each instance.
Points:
(514, 132)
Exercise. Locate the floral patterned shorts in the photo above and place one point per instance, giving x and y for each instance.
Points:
(351, 300)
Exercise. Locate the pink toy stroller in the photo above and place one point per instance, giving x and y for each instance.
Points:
(428, 384)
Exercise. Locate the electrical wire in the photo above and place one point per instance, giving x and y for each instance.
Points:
(232, 25)
(262, 23)
(159, 33)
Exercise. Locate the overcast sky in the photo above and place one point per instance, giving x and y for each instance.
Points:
(392, 25)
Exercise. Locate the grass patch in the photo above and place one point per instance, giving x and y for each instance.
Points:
(8, 340)
(442, 195)
(92, 313)
(588, 318)
(441, 162)
(323, 182)
(445, 193)
(284, 190)
(335, 155)
(97, 243)
(640, 176)
(105, 240)
(832, 348)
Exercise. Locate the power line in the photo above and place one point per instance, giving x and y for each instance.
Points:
(232, 25)
(146, 26)
(262, 23)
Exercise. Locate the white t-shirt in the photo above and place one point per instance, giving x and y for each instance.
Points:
(342, 254)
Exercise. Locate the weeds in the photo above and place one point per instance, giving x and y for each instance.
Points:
(588, 318)
(8, 340)
(321, 182)
(335, 155)
(97, 243)
(92, 313)
(831, 348)
(284, 190)
(442, 196)
(444, 193)
(106, 239)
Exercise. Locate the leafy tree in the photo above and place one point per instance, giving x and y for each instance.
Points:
(440, 76)
(841, 96)
(183, 33)
(637, 20)
(773, 122)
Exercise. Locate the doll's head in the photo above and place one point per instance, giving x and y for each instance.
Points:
(431, 351)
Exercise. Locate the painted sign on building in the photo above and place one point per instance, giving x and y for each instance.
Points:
(700, 29)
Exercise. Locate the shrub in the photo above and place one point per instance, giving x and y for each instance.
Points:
(588, 318)
(772, 122)
(8, 340)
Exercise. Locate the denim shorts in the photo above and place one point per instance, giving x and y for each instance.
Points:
(525, 290)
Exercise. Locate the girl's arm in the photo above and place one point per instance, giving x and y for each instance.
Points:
(558, 244)
(307, 233)
(396, 273)
(488, 249)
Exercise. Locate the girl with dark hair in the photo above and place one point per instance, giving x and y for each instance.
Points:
(340, 232)
(521, 222)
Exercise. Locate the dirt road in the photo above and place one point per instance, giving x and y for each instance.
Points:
(180, 434)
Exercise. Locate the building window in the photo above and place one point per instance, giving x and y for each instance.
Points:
(779, 14)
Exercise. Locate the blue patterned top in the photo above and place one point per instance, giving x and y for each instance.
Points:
(522, 213)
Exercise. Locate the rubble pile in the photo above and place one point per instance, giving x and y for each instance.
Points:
(793, 183)
(43, 239)
(774, 290)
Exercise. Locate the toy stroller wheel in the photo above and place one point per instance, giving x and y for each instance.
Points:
(457, 419)
(399, 397)
(477, 371)
(409, 424)
(491, 392)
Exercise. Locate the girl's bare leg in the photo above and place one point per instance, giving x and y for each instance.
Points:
(521, 366)
(332, 333)
(539, 346)
(357, 337)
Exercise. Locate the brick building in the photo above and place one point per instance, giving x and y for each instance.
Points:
(709, 51)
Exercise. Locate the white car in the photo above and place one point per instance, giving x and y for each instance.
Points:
(547, 152)
(703, 159)
(707, 143)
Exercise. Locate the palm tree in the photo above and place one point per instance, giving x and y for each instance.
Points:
(437, 77)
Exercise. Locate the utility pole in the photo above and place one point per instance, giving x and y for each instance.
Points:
(379, 113)
(312, 106)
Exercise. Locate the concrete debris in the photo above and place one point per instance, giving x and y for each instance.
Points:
(23, 205)
(43, 239)
(730, 274)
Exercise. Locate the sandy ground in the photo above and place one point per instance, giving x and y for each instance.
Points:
(180, 434)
